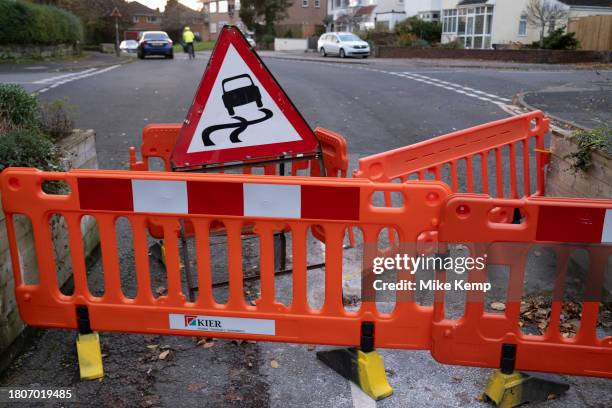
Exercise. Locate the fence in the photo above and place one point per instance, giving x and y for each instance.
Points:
(593, 32)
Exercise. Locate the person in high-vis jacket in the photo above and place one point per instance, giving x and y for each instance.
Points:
(188, 38)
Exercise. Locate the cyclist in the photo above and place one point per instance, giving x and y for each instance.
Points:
(188, 38)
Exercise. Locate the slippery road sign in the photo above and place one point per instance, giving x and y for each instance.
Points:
(240, 112)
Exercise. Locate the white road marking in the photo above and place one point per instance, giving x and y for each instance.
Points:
(360, 398)
(54, 82)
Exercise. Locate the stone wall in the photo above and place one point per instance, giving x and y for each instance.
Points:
(563, 181)
(37, 51)
(527, 56)
(80, 150)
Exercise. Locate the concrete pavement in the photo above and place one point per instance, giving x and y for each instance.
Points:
(376, 107)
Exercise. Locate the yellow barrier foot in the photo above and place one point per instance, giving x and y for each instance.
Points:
(90, 356)
(158, 252)
(367, 370)
(513, 389)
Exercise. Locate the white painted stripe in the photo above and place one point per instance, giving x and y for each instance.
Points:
(606, 233)
(160, 196)
(58, 77)
(272, 200)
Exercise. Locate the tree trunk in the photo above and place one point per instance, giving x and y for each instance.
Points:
(542, 35)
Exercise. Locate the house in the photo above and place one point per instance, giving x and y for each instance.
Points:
(195, 20)
(143, 19)
(427, 10)
(498, 23)
(302, 17)
(359, 15)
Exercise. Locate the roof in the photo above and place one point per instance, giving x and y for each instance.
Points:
(189, 11)
(136, 8)
(588, 3)
(365, 10)
(467, 2)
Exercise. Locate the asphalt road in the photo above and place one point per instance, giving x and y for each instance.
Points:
(377, 106)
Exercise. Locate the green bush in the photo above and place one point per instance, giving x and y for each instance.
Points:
(267, 38)
(18, 109)
(28, 148)
(455, 44)
(429, 31)
(558, 40)
(56, 119)
(588, 142)
(26, 23)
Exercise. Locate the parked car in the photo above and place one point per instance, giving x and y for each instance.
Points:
(343, 45)
(129, 46)
(251, 40)
(154, 43)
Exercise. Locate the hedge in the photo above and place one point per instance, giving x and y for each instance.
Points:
(26, 23)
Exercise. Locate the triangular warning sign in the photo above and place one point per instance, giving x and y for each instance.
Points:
(240, 112)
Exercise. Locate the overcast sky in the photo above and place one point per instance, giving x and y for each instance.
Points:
(194, 4)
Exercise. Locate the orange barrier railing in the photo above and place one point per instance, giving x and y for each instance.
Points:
(467, 156)
(563, 226)
(158, 140)
(476, 338)
(202, 200)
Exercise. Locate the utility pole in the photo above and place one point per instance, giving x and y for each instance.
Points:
(116, 14)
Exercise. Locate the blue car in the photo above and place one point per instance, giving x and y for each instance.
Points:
(155, 43)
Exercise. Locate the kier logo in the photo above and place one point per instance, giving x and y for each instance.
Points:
(198, 322)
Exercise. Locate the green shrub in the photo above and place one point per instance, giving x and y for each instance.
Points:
(420, 43)
(429, 31)
(267, 38)
(27, 23)
(406, 39)
(18, 109)
(28, 148)
(455, 44)
(289, 34)
(588, 142)
(56, 119)
(558, 40)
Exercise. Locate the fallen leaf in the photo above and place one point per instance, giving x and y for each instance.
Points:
(209, 344)
(194, 387)
(152, 346)
(274, 364)
(498, 306)
(164, 354)
(311, 347)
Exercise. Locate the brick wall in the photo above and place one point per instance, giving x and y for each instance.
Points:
(529, 56)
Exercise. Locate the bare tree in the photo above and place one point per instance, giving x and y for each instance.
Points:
(353, 17)
(542, 13)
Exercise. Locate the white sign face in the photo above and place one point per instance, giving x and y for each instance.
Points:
(222, 324)
(239, 112)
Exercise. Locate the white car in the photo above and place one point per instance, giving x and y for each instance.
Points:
(129, 46)
(343, 45)
(251, 40)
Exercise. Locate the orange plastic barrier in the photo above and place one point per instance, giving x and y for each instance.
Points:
(475, 338)
(158, 140)
(167, 198)
(460, 151)
(204, 199)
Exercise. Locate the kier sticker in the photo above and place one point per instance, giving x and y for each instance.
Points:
(222, 324)
(240, 112)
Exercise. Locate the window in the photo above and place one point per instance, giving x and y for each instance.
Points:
(212, 27)
(449, 21)
(523, 25)
(223, 6)
(151, 19)
(135, 19)
(317, 3)
(304, 3)
(236, 5)
(213, 9)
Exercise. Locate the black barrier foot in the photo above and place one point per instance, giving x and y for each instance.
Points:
(514, 389)
(367, 370)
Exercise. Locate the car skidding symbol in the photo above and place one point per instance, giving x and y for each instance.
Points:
(237, 97)
(240, 96)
